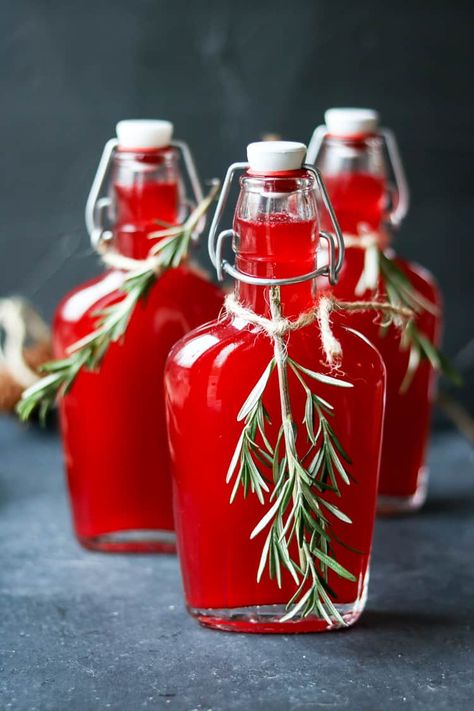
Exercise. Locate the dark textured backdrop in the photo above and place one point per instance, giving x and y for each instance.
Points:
(226, 72)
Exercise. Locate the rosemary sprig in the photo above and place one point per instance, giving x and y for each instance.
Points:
(298, 514)
(87, 353)
(175, 241)
(400, 292)
(113, 321)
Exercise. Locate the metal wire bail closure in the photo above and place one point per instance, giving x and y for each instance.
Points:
(98, 204)
(216, 242)
(399, 212)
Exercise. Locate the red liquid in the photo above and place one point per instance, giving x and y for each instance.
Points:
(208, 376)
(358, 198)
(137, 215)
(113, 421)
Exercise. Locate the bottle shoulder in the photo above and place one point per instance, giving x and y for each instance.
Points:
(420, 277)
(86, 297)
(363, 357)
(177, 302)
(211, 340)
(179, 285)
(233, 343)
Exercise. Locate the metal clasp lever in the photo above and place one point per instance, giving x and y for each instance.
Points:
(97, 204)
(399, 211)
(216, 242)
(398, 214)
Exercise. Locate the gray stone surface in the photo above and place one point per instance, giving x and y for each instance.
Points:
(83, 631)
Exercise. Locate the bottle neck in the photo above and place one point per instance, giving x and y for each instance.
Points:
(354, 171)
(276, 236)
(146, 196)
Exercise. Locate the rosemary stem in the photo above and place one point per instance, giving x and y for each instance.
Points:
(281, 360)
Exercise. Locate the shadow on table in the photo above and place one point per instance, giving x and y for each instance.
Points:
(458, 504)
(3, 493)
(411, 621)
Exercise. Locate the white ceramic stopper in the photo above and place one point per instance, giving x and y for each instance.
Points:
(275, 156)
(144, 133)
(351, 122)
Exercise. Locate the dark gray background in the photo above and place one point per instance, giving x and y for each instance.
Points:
(225, 73)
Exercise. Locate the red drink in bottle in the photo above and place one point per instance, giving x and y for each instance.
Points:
(208, 377)
(351, 155)
(113, 420)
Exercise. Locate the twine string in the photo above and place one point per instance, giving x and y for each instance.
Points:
(18, 322)
(278, 327)
(114, 259)
(153, 261)
(371, 241)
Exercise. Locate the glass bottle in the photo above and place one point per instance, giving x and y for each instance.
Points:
(113, 421)
(351, 152)
(210, 373)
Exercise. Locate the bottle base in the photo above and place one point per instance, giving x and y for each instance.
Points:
(266, 619)
(394, 505)
(137, 541)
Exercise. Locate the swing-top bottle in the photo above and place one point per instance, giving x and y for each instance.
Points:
(112, 420)
(255, 411)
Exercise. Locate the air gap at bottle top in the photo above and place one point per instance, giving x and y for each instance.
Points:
(358, 161)
(275, 452)
(112, 417)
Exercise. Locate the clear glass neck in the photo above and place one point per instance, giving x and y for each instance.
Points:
(276, 228)
(147, 195)
(355, 173)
